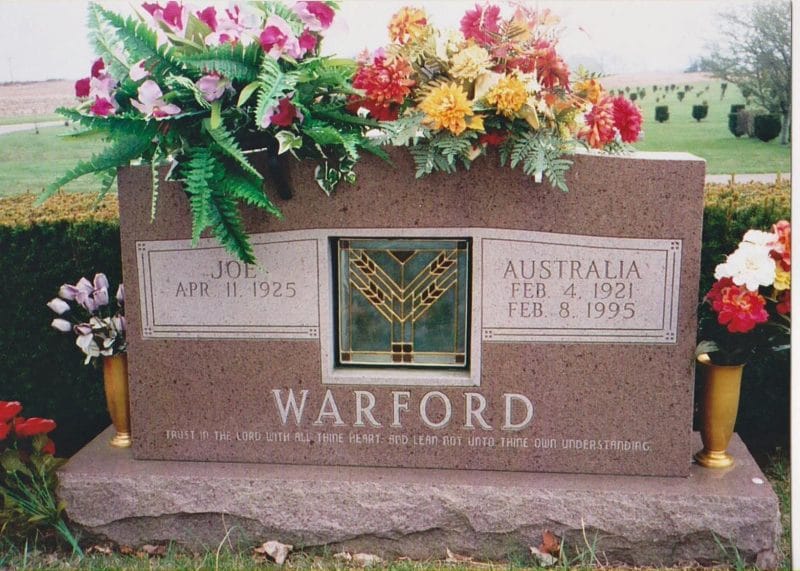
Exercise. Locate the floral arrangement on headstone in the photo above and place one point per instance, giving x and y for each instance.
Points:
(749, 306)
(86, 310)
(205, 91)
(498, 81)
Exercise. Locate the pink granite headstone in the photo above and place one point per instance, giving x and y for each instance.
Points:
(470, 321)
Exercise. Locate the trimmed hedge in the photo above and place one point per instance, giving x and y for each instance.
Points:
(44, 370)
(766, 127)
(40, 367)
(662, 113)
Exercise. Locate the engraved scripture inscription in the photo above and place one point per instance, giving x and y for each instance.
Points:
(551, 287)
(204, 293)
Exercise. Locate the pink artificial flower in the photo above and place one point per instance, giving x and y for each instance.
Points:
(479, 24)
(151, 101)
(138, 71)
(121, 294)
(173, 15)
(58, 305)
(82, 87)
(282, 115)
(102, 107)
(212, 86)
(627, 119)
(317, 16)
(209, 17)
(277, 39)
(97, 67)
(307, 41)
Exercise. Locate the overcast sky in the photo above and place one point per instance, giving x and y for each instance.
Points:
(47, 39)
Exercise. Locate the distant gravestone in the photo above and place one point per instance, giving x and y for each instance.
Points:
(476, 321)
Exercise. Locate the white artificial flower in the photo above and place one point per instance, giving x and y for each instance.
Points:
(759, 238)
(750, 265)
(58, 305)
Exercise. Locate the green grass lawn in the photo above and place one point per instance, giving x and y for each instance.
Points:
(30, 161)
(30, 119)
(709, 138)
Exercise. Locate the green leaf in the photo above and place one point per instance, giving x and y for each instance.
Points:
(120, 153)
(228, 144)
(228, 227)
(273, 86)
(199, 177)
(250, 192)
(288, 141)
(235, 62)
(216, 115)
(104, 40)
(12, 463)
(247, 92)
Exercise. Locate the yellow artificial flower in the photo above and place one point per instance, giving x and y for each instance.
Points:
(591, 88)
(783, 280)
(447, 107)
(470, 62)
(407, 25)
(508, 96)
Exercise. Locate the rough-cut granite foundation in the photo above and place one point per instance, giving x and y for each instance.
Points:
(420, 512)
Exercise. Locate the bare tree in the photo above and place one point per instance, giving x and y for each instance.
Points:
(756, 55)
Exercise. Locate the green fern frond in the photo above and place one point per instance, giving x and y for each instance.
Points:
(228, 227)
(280, 9)
(402, 131)
(539, 153)
(107, 179)
(120, 153)
(200, 175)
(332, 114)
(140, 42)
(428, 159)
(104, 41)
(121, 124)
(155, 162)
(274, 84)
(228, 144)
(235, 62)
(249, 192)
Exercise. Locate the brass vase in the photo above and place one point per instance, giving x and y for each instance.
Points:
(115, 380)
(718, 409)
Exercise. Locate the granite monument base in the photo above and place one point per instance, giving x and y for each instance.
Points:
(419, 513)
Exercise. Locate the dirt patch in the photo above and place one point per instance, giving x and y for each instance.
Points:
(35, 98)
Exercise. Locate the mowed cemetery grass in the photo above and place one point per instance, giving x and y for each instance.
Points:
(29, 161)
(709, 138)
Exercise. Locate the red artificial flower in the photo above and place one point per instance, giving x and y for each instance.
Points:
(784, 306)
(151, 7)
(82, 87)
(4, 430)
(33, 426)
(102, 107)
(493, 138)
(49, 448)
(481, 23)
(285, 114)
(307, 41)
(386, 83)
(740, 309)
(9, 409)
(551, 70)
(599, 130)
(97, 67)
(715, 293)
(209, 17)
(627, 119)
(782, 247)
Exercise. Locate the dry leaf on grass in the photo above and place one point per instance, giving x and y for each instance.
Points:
(543, 559)
(456, 558)
(104, 549)
(366, 559)
(126, 550)
(551, 544)
(153, 550)
(276, 550)
(343, 556)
